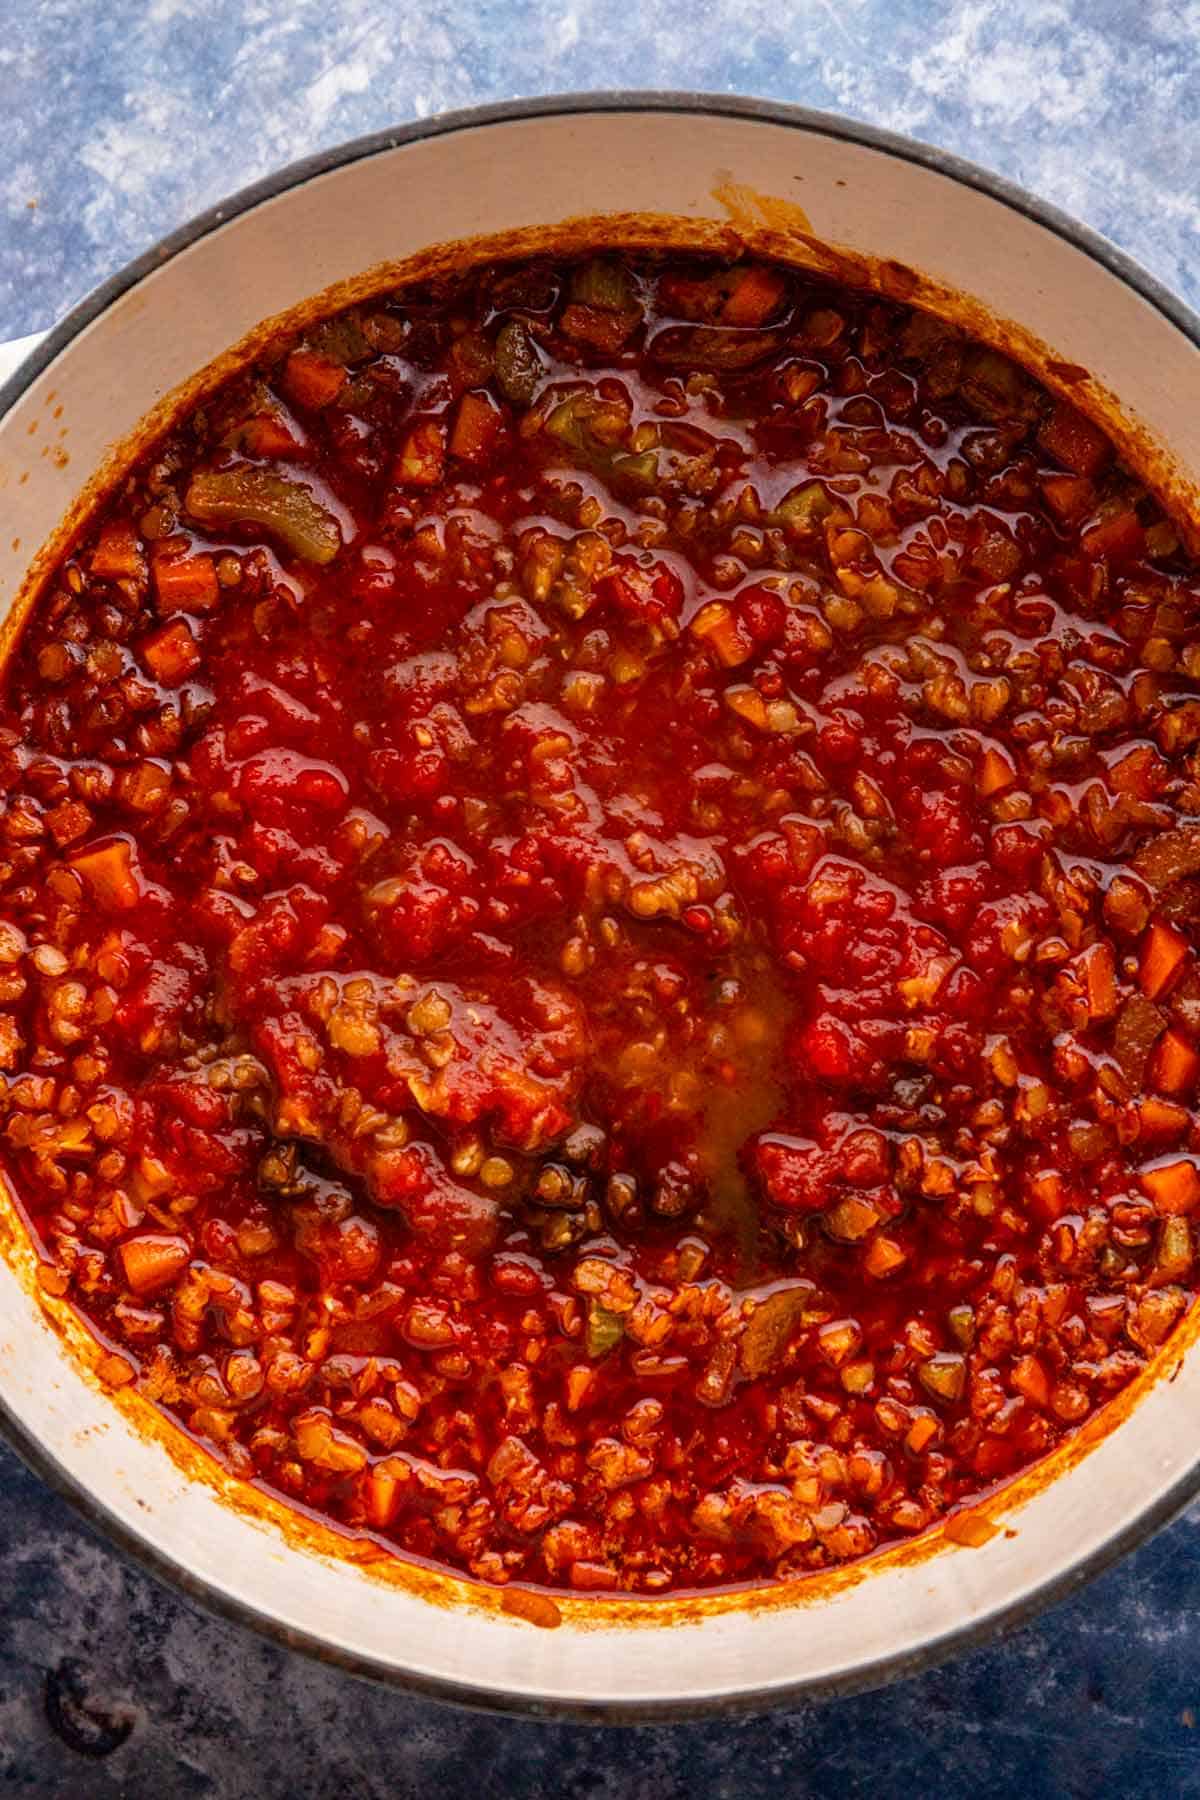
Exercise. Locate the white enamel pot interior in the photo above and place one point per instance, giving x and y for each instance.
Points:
(175, 312)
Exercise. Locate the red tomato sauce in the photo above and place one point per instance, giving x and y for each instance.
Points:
(599, 882)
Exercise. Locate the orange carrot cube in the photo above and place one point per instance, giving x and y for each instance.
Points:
(1162, 1118)
(755, 297)
(1073, 440)
(1069, 497)
(1164, 951)
(1174, 1187)
(1119, 538)
(186, 583)
(883, 1256)
(1098, 968)
(920, 1433)
(1176, 1063)
(171, 653)
(383, 1488)
(1030, 1379)
(266, 434)
(118, 552)
(1048, 1194)
(475, 426)
(109, 873)
(422, 457)
(995, 774)
(153, 1259)
(311, 379)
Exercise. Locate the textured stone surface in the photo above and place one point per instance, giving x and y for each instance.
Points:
(120, 121)
(1100, 1695)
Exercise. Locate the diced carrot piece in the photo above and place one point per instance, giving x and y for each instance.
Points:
(1099, 979)
(422, 457)
(383, 1487)
(755, 297)
(1069, 497)
(1048, 1194)
(578, 1382)
(721, 628)
(995, 774)
(1137, 772)
(884, 1255)
(1056, 1303)
(311, 379)
(153, 1259)
(151, 1178)
(266, 434)
(186, 583)
(1176, 1063)
(1174, 1187)
(118, 553)
(109, 873)
(1074, 440)
(171, 652)
(475, 427)
(1030, 1378)
(1164, 951)
(1162, 1118)
(919, 1433)
(1119, 538)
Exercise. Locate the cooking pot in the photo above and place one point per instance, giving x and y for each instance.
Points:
(859, 203)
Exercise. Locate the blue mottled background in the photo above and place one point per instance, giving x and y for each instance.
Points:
(120, 120)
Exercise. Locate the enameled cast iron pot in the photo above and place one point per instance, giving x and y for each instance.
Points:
(913, 222)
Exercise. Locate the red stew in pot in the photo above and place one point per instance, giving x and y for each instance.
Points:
(599, 892)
